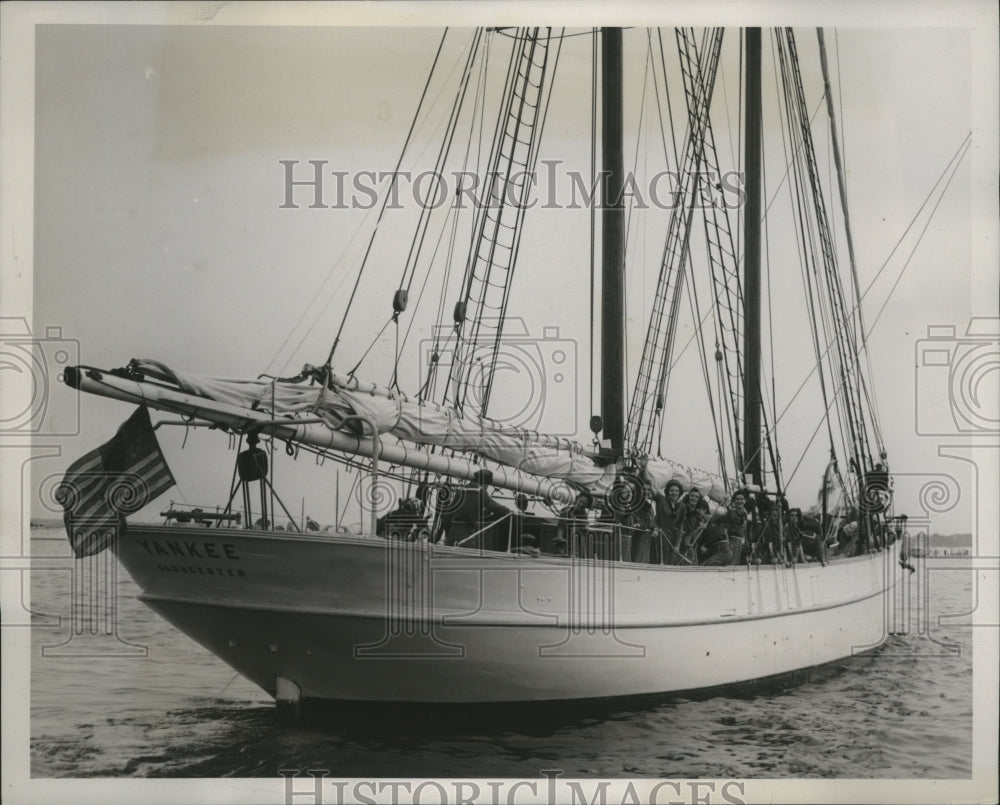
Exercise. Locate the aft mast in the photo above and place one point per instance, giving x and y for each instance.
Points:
(612, 244)
(751, 468)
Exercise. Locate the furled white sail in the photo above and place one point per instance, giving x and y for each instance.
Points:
(423, 423)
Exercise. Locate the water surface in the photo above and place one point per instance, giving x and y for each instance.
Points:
(904, 711)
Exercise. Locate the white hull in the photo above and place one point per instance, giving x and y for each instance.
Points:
(361, 619)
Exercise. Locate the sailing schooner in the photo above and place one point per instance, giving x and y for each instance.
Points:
(623, 587)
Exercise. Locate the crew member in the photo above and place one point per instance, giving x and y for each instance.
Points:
(473, 512)
(904, 547)
(715, 539)
(572, 524)
(695, 523)
(770, 544)
(735, 522)
(640, 524)
(670, 516)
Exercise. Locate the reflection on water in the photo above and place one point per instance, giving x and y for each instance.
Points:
(903, 711)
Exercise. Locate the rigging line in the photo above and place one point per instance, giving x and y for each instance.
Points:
(423, 287)
(729, 122)
(638, 138)
(795, 194)
(692, 296)
(739, 144)
(350, 495)
(394, 380)
(479, 228)
(317, 297)
(658, 343)
(372, 344)
(530, 119)
(962, 148)
(687, 254)
(427, 387)
(318, 315)
(772, 454)
(847, 346)
(834, 292)
(270, 484)
(824, 418)
(956, 156)
(480, 207)
(593, 207)
(495, 146)
(417, 244)
(840, 96)
(673, 139)
(727, 416)
(708, 148)
(784, 178)
(385, 200)
(770, 299)
(537, 131)
(811, 308)
(431, 140)
(520, 38)
(673, 133)
(923, 231)
(534, 149)
(841, 179)
(670, 109)
(453, 214)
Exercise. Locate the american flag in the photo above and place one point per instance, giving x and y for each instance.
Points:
(118, 478)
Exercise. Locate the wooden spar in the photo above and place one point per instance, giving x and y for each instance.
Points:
(751, 262)
(310, 432)
(612, 243)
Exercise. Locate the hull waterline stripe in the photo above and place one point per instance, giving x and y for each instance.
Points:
(459, 620)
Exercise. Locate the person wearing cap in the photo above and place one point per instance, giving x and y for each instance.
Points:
(810, 529)
(473, 512)
(670, 515)
(404, 522)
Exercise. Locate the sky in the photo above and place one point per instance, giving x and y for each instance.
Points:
(159, 230)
